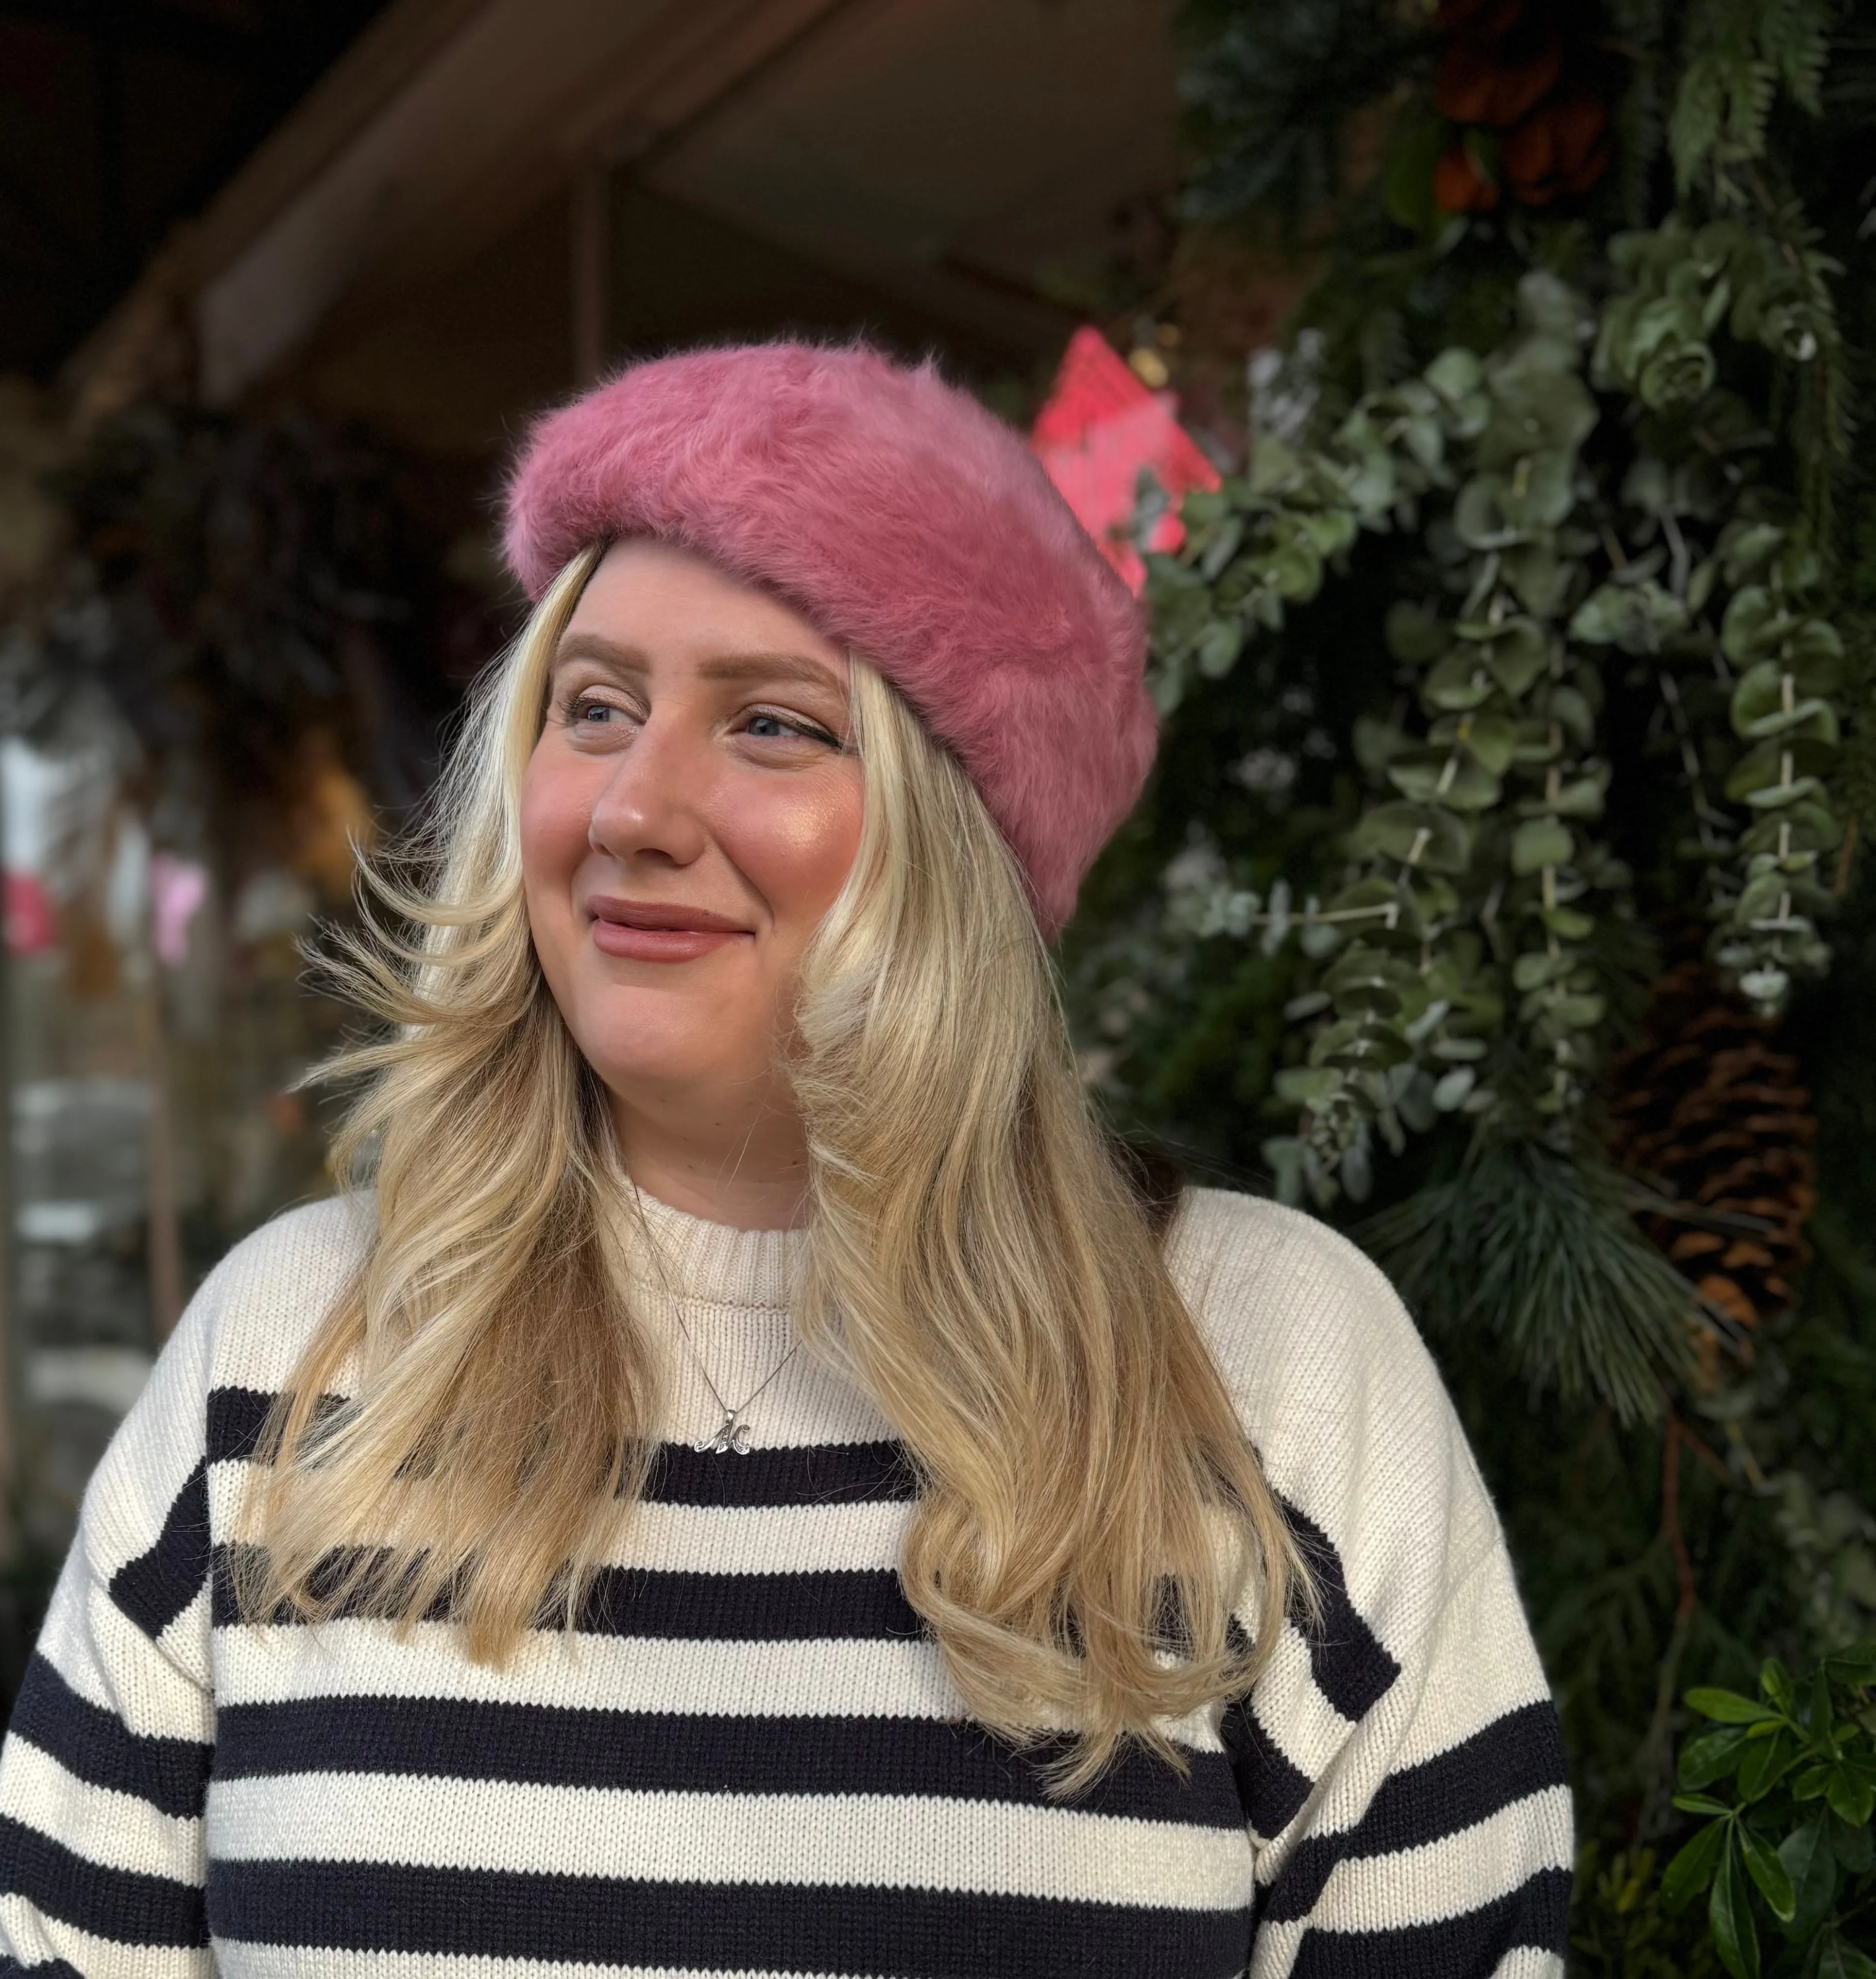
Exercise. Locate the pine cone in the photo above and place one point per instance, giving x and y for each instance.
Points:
(1703, 1108)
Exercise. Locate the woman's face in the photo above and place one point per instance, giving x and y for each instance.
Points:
(688, 814)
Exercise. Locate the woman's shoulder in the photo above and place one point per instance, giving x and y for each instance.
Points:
(260, 1304)
(1331, 1378)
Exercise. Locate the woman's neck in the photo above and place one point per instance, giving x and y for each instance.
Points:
(747, 1168)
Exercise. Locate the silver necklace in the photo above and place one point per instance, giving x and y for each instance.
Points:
(731, 1433)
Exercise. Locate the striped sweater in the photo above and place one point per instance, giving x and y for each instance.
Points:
(748, 1759)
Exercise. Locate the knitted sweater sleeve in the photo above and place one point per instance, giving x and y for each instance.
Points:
(105, 1768)
(1400, 1762)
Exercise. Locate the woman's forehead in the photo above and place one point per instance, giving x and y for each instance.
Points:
(650, 602)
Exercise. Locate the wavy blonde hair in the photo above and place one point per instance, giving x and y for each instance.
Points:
(1089, 1511)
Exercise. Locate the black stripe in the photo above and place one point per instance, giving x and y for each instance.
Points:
(833, 1474)
(825, 1473)
(154, 1588)
(51, 1968)
(116, 1904)
(1271, 1791)
(1516, 1755)
(1536, 1915)
(235, 1416)
(95, 1745)
(1350, 1667)
(867, 1605)
(659, 1752)
(913, 1933)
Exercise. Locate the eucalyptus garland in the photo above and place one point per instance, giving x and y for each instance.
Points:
(1458, 927)
(1455, 952)
(1719, 585)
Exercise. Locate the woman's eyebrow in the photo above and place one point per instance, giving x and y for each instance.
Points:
(607, 652)
(732, 666)
(771, 666)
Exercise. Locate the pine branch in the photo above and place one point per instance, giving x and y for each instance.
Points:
(1537, 1246)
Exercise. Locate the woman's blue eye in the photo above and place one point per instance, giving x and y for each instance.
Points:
(767, 725)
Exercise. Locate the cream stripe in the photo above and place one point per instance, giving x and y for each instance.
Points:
(35, 1939)
(700, 1539)
(1460, 1873)
(142, 1688)
(238, 1959)
(116, 1830)
(845, 1677)
(812, 1679)
(854, 1840)
(1524, 1961)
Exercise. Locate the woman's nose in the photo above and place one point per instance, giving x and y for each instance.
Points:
(649, 807)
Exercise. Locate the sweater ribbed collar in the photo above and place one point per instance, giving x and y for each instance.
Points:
(698, 1262)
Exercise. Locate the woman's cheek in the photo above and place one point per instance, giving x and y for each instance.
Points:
(554, 819)
(796, 847)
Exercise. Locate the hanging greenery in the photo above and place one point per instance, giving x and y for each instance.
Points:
(1500, 894)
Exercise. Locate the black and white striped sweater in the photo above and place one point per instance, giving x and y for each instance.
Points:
(748, 1760)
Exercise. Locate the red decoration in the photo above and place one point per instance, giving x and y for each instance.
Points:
(32, 925)
(1517, 69)
(1562, 148)
(1496, 83)
(1100, 426)
(1459, 184)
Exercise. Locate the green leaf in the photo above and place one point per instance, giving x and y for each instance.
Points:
(1407, 189)
(1855, 1847)
(1770, 1874)
(1219, 648)
(1272, 463)
(1566, 923)
(1856, 1664)
(1455, 374)
(1711, 1754)
(1812, 1869)
(1516, 655)
(1420, 835)
(1729, 1914)
(1763, 767)
(1449, 777)
(1850, 1798)
(1539, 842)
(1838, 1958)
(1493, 739)
(1775, 1682)
(1458, 683)
(1583, 797)
(1699, 1803)
(1414, 633)
(1582, 1012)
(1767, 1759)
(1727, 1707)
(1753, 620)
(1691, 1870)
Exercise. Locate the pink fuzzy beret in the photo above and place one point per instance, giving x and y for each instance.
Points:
(901, 519)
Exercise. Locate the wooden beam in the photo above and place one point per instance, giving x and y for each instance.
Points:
(520, 97)
(589, 212)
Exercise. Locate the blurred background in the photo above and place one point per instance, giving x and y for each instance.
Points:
(1478, 394)
(281, 282)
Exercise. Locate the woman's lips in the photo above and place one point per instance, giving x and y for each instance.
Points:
(642, 932)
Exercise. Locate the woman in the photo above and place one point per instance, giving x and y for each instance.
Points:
(753, 1489)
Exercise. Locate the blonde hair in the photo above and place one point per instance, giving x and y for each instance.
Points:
(1089, 1513)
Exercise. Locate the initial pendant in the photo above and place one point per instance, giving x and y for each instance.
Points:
(732, 1435)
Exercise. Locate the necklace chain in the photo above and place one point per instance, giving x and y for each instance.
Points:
(731, 1433)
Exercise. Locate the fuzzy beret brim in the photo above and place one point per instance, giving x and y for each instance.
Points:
(902, 519)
